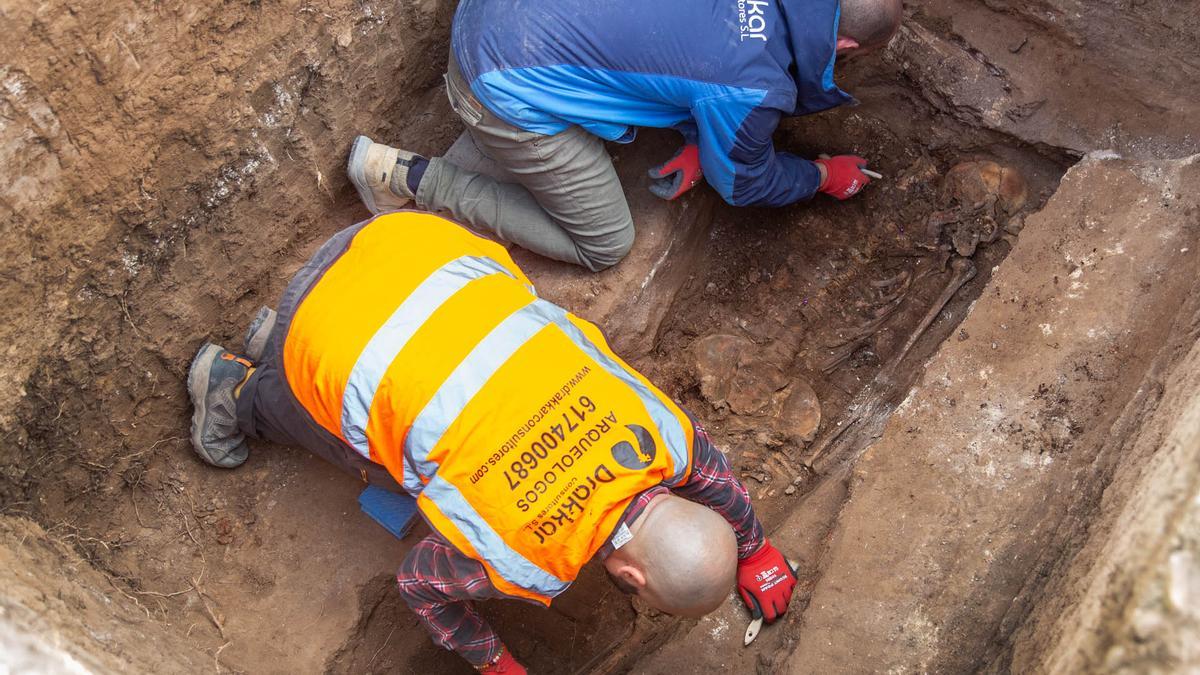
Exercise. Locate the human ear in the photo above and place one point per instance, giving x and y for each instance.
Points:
(631, 575)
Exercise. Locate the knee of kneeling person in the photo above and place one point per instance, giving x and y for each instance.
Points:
(597, 258)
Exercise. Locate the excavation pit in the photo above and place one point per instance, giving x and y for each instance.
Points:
(139, 238)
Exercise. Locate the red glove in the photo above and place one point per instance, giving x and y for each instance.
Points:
(505, 664)
(678, 174)
(843, 176)
(765, 582)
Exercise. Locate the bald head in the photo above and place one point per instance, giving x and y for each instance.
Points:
(870, 22)
(682, 558)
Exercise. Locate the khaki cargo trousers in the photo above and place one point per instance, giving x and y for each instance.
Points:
(567, 203)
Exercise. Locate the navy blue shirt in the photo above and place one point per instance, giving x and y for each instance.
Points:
(722, 72)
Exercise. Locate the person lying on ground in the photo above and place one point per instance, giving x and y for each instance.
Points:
(542, 85)
(416, 355)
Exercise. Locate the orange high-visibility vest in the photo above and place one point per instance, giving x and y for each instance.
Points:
(522, 436)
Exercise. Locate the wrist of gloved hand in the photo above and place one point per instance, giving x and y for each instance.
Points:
(677, 175)
(842, 177)
(766, 582)
(503, 664)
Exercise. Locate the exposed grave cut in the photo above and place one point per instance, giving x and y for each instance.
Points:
(169, 167)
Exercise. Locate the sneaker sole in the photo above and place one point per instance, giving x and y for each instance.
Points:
(356, 168)
(197, 384)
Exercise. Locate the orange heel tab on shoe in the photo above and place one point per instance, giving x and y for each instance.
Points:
(234, 357)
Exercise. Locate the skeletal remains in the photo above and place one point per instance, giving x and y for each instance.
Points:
(873, 398)
(985, 201)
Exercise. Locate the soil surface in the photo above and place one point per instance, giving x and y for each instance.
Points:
(799, 293)
(167, 167)
(1001, 453)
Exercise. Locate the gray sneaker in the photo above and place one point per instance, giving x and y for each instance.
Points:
(258, 333)
(214, 375)
(380, 173)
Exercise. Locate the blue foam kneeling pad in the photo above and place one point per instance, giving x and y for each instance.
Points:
(395, 512)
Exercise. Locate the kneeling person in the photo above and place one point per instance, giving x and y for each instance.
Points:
(418, 356)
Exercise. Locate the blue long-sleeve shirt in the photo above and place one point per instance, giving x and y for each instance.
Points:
(722, 72)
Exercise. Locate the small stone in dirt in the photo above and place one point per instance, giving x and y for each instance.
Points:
(963, 335)
(1015, 225)
(754, 386)
(224, 531)
(801, 415)
(767, 440)
(922, 171)
(716, 358)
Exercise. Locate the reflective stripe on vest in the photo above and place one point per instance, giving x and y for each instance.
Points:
(498, 554)
(522, 435)
(395, 333)
(491, 353)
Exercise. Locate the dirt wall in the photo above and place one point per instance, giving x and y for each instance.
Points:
(179, 147)
(1129, 602)
(969, 514)
(158, 160)
(165, 166)
(1080, 75)
(59, 615)
(1102, 584)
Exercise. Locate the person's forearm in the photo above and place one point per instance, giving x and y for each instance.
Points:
(713, 484)
(779, 179)
(438, 584)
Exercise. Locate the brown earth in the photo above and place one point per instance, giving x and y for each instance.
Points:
(1014, 447)
(167, 167)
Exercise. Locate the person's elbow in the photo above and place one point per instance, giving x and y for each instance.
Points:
(735, 196)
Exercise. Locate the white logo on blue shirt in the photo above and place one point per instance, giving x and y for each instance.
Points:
(752, 20)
